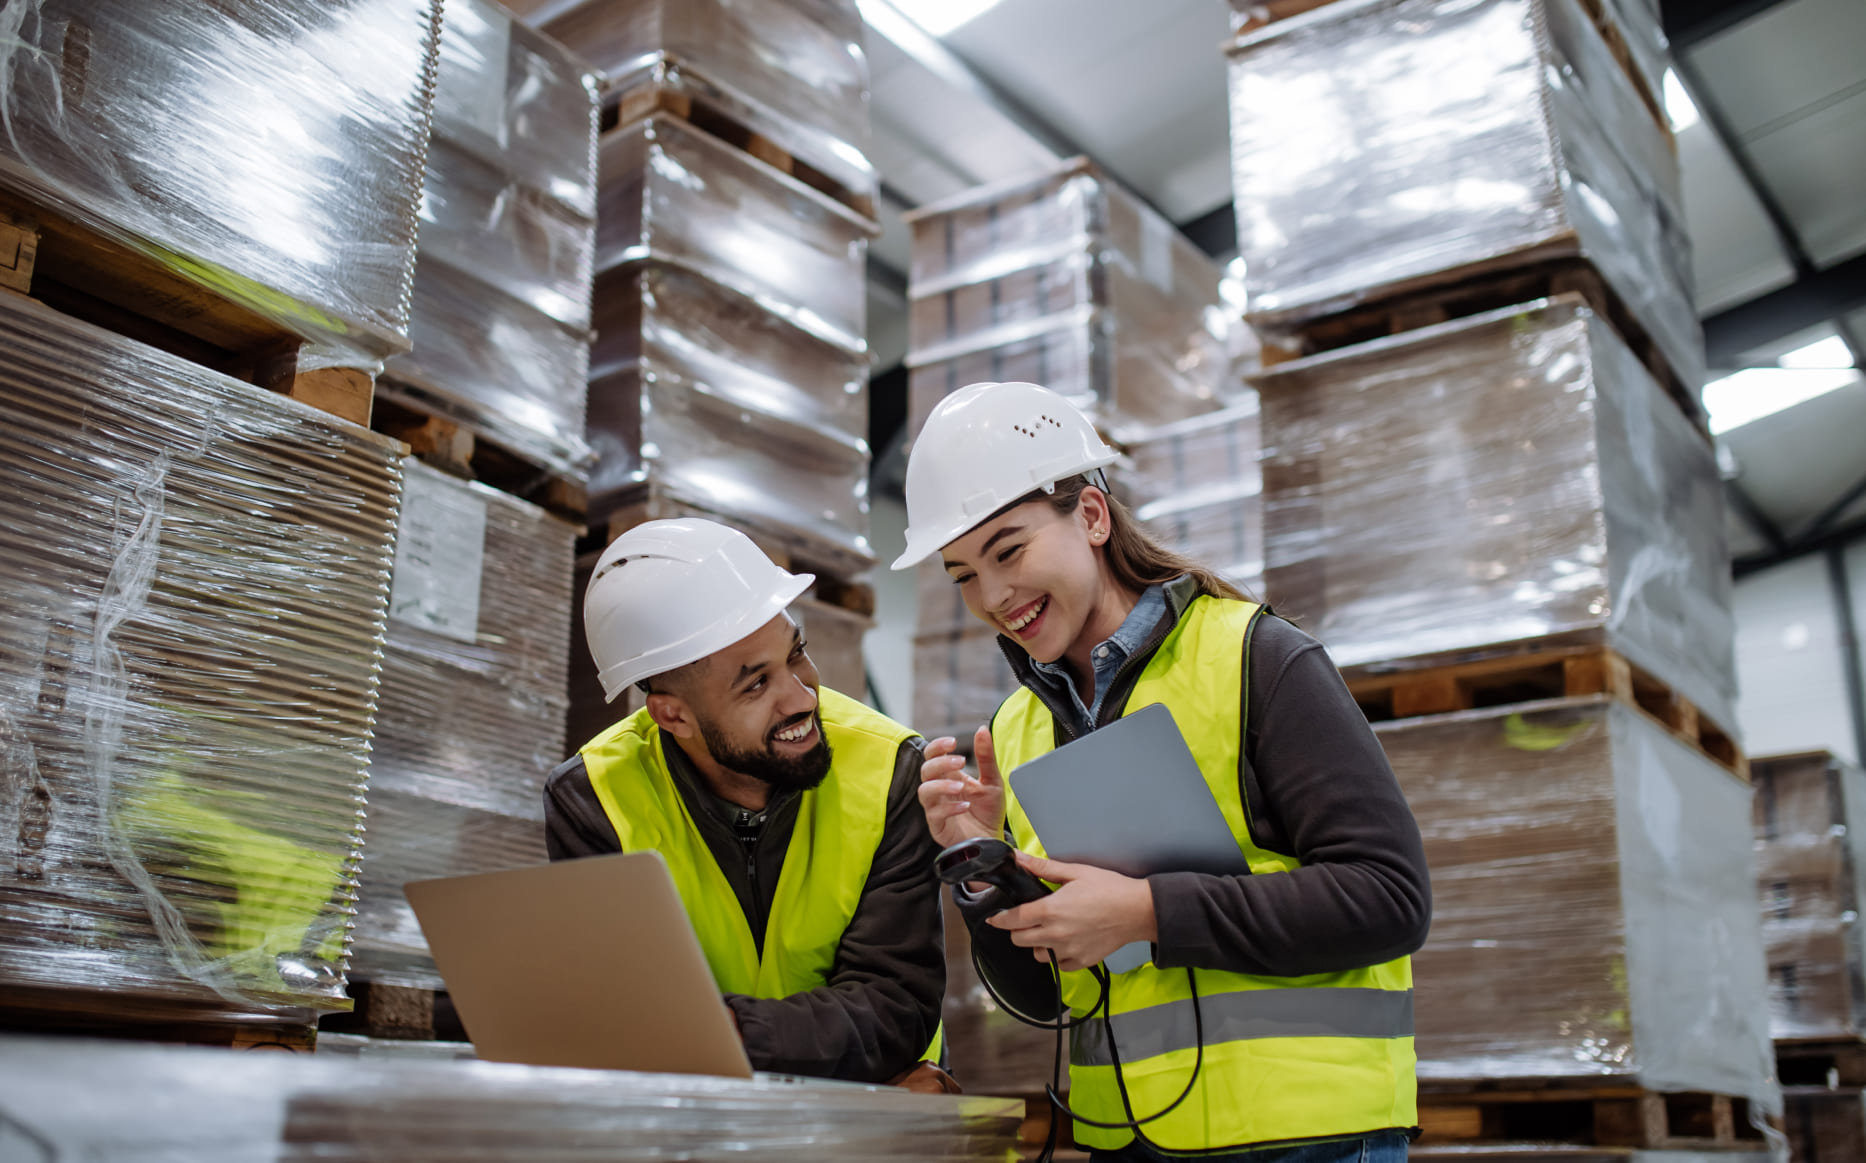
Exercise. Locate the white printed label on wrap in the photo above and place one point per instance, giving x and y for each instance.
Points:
(439, 552)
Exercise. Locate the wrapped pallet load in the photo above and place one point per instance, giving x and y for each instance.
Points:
(193, 584)
(501, 313)
(269, 154)
(1512, 476)
(1197, 489)
(1357, 181)
(472, 707)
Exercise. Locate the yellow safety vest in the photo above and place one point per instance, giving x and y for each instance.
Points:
(839, 826)
(1286, 1058)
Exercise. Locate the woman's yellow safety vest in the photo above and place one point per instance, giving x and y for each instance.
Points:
(1286, 1058)
(839, 826)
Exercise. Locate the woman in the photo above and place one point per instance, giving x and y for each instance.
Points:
(1274, 1022)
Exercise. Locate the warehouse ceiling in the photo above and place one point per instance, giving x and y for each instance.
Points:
(1768, 102)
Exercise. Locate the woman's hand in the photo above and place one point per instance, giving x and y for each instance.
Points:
(1092, 913)
(959, 807)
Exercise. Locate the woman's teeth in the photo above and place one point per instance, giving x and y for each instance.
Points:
(1020, 622)
(795, 733)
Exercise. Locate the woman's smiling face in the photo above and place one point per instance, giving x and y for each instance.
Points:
(1030, 573)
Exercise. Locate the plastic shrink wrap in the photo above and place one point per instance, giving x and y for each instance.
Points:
(700, 399)
(679, 195)
(1591, 917)
(471, 720)
(1510, 476)
(501, 301)
(1066, 280)
(1353, 181)
(1197, 489)
(269, 152)
(794, 71)
(213, 1106)
(195, 576)
(1825, 1126)
(959, 680)
(1809, 810)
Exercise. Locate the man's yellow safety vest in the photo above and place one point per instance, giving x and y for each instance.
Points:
(839, 826)
(1286, 1058)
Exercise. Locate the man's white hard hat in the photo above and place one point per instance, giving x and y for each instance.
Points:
(667, 593)
(985, 446)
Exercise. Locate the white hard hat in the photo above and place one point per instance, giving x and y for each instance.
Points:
(667, 593)
(985, 446)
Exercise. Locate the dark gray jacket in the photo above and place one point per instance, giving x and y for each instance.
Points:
(881, 1005)
(1318, 787)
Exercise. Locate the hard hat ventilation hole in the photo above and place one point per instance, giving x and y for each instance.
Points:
(606, 570)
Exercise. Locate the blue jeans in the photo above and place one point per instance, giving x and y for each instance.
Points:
(1386, 1147)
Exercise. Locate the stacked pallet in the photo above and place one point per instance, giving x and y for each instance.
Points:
(1487, 489)
(494, 386)
(195, 577)
(1810, 810)
(729, 378)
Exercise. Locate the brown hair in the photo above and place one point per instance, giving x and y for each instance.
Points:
(1137, 560)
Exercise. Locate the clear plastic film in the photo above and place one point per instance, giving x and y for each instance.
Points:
(218, 1106)
(1808, 811)
(1591, 911)
(1510, 476)
(270, 152)
(794, 71)
(520, 101)
(678, 195)
(1355, 181)
(1197, 489)
(1011, 273)
(501, 306)
(471, 721)
(704, 399)
(196, 574)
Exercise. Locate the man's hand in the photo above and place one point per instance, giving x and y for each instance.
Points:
(959, 807)
(1092, 913)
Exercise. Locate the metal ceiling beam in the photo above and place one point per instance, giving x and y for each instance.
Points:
(1824, 520)
(1215, 232)
(1690, 22)
(1751, 514)
(886, 278)
(1842, 535)
(1813, 298)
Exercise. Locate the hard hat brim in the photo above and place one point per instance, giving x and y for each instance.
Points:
(921, 546)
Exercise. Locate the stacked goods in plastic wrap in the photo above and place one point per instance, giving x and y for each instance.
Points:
(501, 313)
(1511, 476)
(1197, 488)
(472, 707)
(268, 153)
(1068, 281)
(194, 576)
(1593, 914)
(1825, 1126)
(1356, 181)
(197, 1104)
(791, 71)
(1809, 810)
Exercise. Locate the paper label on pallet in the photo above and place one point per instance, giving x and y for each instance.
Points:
(439, 553)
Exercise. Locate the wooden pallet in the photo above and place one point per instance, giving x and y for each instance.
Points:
(654, 96)
(1603, 1116)
(83, 1014)
(397, 1012)
(74, 269)
(1533, 673)
(1836, 1063)
(448, 445)
(1503, 282)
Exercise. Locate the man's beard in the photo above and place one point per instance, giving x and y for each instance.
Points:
(784, 773)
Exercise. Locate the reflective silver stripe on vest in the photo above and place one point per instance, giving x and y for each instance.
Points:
(1245, 1015)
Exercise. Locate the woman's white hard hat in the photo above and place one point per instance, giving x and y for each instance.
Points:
(985, 446)
(667, 593)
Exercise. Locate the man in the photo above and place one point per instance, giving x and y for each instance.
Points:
(787, 813)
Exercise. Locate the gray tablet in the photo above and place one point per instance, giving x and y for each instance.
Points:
(1130, 798)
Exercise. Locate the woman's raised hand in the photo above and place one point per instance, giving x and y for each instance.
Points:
(959, 806)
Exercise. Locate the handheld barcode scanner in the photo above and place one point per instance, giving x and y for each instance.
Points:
(991, 862)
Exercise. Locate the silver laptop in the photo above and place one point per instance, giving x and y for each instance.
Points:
(580, 963)
(1129, 798)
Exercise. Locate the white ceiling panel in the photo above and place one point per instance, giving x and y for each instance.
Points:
(1784, 62)
(1816, 165)
(1798, 461)
(1744, 541)
(1734, 253)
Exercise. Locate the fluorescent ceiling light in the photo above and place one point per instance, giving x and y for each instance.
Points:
(939, 17)
(1750, 395)
(1823, 353)
(1678, 107)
